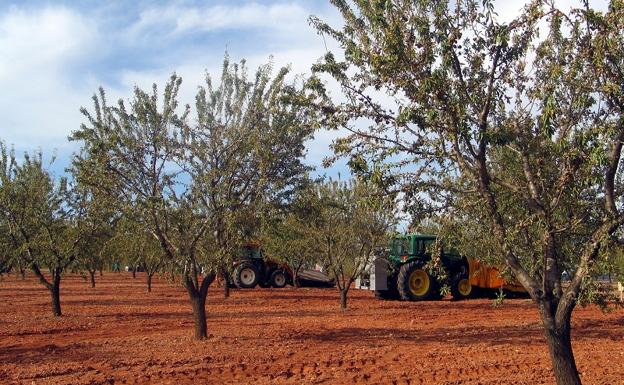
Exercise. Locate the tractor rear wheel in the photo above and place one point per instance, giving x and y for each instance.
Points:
(461, 288)
(246, 276)
(416, 284)
(278, 279)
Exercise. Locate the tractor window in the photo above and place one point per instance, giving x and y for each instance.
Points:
(428, 245)
(250, 252)
(423, 246)
(400, 247)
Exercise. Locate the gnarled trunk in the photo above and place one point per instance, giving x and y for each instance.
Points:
(558, 337)
(343, 298)
(562, 356)
(55, 292)
(295, 277)
(226, 288)
(92, 278)
(198, 303)
(226, 281)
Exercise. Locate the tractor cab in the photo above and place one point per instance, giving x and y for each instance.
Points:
(407, 247)
(251, 250)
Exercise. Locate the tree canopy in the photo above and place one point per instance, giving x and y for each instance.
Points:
(198, 186)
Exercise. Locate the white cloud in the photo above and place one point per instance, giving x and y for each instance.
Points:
(40, 99)
(179, 19)
(47, 38)
(508, 10)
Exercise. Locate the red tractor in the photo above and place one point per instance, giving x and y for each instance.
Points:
(253, 269)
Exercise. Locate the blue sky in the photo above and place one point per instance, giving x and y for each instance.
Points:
(55, 54)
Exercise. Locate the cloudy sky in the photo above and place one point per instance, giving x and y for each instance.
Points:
(55, 53)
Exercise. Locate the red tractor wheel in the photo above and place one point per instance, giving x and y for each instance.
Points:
(278, 279)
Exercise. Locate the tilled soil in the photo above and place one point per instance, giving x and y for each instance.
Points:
(119, 334)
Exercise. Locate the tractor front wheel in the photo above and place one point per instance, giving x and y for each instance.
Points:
(461, 287)
(246, 276)
(416, 284)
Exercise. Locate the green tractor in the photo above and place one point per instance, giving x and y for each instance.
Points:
(402, 273)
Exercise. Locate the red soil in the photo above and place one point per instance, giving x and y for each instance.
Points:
(119, 334)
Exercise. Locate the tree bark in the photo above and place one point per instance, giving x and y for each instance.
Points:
(558, 337)
(562, 356)
(226, 288)
(198, 303)
(295, 279)
(149, 282)
(226, 282)
(133, 272)
(343, 298)
(55, 292)
(199, 317)
(92, 278)
(22, 272)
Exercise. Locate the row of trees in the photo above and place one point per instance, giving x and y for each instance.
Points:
(163, 191)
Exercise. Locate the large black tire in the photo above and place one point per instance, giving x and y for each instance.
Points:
(461, 287)
(246, 276)
(278, 279)
(416, 284)
(392, 293)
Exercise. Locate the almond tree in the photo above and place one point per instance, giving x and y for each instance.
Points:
(46, 226)
(133, 240)
(100, 216)
(353, 220)
(518, 134)
(189, 182)
(285, 233)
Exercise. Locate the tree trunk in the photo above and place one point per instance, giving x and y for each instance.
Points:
(149, 282)
(22, 272)
(295, 278)
(55, 292)
(562, 356)
(92, 278)
(226, 281)
(343, 298)
(226, 288)
(199, 317)
(198, 303)
(133, 272)
(101, 272)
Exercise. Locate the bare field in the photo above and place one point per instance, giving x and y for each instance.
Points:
(119, 334)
